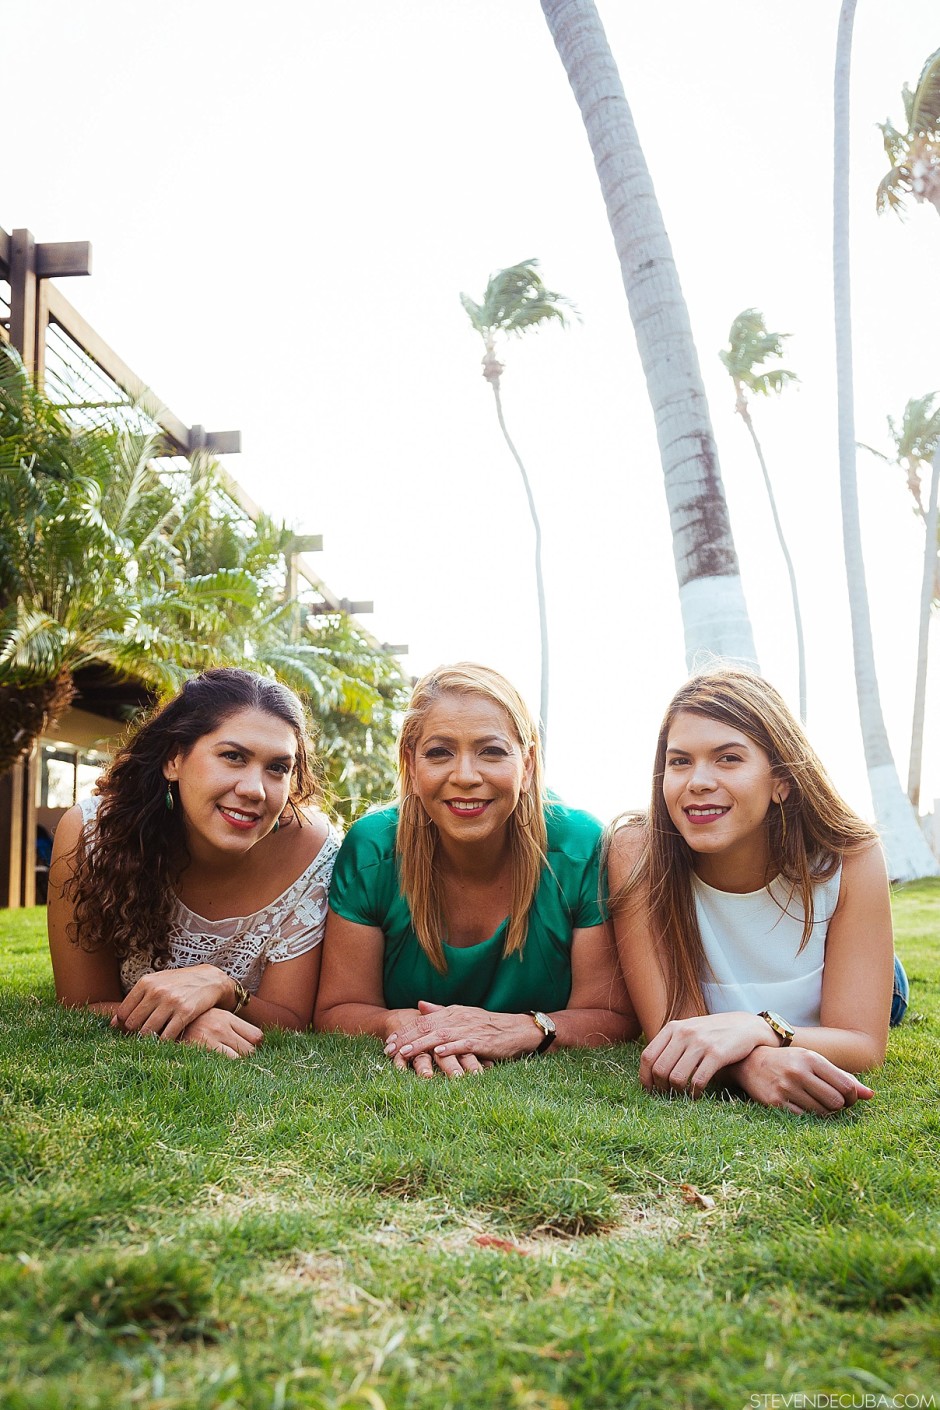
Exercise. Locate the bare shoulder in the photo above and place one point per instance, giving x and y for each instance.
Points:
(306, 838)
(864, 868)
(627, 839)
(68, 832)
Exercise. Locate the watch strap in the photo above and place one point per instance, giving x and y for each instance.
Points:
(783, 1030)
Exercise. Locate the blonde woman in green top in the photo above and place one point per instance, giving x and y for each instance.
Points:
(464, 925)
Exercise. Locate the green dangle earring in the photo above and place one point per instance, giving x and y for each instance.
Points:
(168, 800)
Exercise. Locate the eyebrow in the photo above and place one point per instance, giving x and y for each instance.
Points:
(481, 739)
(243, 749)
(717, 749)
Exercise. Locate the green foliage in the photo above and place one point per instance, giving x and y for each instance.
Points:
(515, 300)
(309, 1228)
(915, 153)
(916, 441)
(111, 554)
(357, 694)
(750, 345)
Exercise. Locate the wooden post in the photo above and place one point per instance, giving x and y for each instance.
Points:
(30, 265)
(23, 280)
(11, 855)
(30, 769)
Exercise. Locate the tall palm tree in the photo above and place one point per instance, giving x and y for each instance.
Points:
(514, 301)
(712, 599)
(908, 853)
(915, 153)
(750, 346)
(917, 444)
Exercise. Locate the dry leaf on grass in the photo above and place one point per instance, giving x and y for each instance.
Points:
(692, 1195)
(491, 1241)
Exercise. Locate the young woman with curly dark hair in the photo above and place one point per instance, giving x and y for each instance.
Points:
(187, 899)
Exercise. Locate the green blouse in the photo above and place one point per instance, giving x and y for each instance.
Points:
(364, 889)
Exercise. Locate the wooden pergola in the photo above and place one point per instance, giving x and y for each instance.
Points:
(35, 313)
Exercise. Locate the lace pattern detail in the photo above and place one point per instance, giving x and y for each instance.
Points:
(243, 946)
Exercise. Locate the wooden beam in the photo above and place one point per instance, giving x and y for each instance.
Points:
(62, 258)
(224, 442)
(4, 253)
(342, 604)
(82, 333)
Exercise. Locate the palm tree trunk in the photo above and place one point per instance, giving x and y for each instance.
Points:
(923, 638)
(797, 616)
(713, 608)
(539, 584)
(907, 851)
(26, 711)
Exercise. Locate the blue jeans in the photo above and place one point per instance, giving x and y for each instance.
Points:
(899, 998)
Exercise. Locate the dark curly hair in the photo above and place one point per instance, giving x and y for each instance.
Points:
(123, 884)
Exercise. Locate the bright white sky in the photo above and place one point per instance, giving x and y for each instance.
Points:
(285, 202)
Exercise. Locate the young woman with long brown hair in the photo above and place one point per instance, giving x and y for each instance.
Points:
(187, 898)
(751, 909)
(464, 924)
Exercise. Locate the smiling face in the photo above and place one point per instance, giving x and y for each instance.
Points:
(718, 785)
(234, 782)
(467, 768)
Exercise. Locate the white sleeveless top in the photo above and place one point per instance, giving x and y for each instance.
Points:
(752, 949)
(243, 945)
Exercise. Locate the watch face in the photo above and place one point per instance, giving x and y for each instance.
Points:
(546, 1024)
(780, 1026)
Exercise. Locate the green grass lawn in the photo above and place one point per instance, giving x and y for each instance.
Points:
(309, 1228)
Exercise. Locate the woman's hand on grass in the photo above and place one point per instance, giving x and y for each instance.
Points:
(458, 1038)
(167, 1001)
(688, 1052)
(799, 1080)
(223, 1032)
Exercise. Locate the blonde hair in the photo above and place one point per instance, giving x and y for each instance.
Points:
(417, 837)
(807, 834)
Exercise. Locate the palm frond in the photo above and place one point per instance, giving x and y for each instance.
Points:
(474, 312)
(917, 435)
(923, 110)
(33, 647)
(516, 299)
(750, 345)
(229, 586)
(889, 195)
(922, 115)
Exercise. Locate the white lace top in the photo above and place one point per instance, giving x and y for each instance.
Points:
(243, 945)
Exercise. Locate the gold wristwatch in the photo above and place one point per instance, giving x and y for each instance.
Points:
(547, 1025)
(780, 1026)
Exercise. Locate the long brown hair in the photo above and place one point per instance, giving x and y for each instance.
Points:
(122, 879)
(807, 834)
(417, 837)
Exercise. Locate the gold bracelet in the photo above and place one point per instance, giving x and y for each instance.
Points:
(242, 996)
